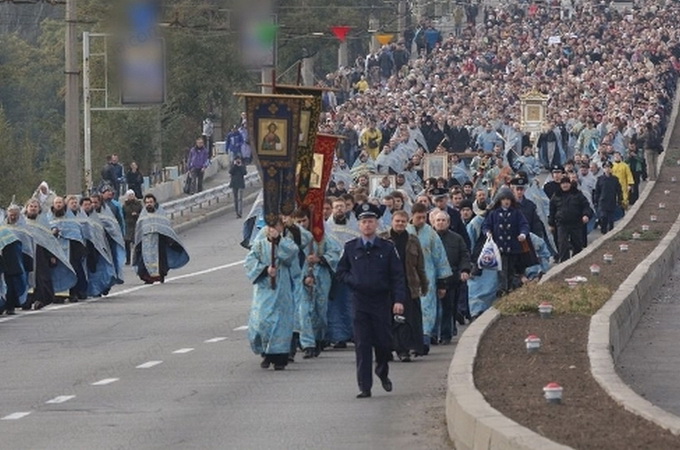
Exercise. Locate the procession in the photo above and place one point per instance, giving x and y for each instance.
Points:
(68, 249)
(440, 161)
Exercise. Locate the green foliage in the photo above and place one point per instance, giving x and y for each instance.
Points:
(584, 299)
(627, 235)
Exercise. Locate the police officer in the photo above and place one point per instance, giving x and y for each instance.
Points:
(371, 268)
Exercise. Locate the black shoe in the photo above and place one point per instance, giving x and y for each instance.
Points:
(291, 358)
(309, 353)
(341, 344)
(38, 305)
(405, 357)
(10, 312)
(434, 341)
(426, 350)
(73, 300)
(446, 342)
(386, 384)
(279, 366)
(364, 394)
(265, 363)
(460, 319)
(59, 301)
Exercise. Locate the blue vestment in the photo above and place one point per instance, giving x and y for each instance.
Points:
(13, 276)
(340, 306)
(436, 268)
(313, 307)
(482, 288)
(156, 239)
(270, 326)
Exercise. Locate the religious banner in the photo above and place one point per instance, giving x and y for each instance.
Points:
(274, 127)
(309, 124)
(534, 110)
(324, 153)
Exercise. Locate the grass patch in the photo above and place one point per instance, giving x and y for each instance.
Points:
(585, 299)
(627, 235)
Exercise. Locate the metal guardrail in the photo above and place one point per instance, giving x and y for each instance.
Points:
(205, 198)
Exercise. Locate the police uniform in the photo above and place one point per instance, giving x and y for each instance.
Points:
(375, 276)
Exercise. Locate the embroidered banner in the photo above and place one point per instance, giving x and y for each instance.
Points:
(309, 124)
(324, 154)
(274, 125)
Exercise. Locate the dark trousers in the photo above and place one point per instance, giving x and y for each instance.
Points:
(196, 180)
(128, 252)
(606, 219)
(449, 307)
(408, 336)
(569, 237)
(372, 331)
(238, 200)
(512, 269)
(463, 306)
(44, 290)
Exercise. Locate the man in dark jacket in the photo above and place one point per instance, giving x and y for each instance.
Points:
(458, 137)
(408, 336)
(608, 198)
(459, 259)
(371, 268)
(527, 207)
(440, 199)
(238, 184)
(569, 211)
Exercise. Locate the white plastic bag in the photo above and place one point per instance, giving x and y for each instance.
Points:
(490, 257)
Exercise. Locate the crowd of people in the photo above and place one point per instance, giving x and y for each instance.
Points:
(610, 78)
(56, 249)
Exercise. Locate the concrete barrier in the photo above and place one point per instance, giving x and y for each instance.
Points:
(173, 189)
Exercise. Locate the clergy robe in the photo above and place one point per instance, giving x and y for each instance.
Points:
(436, 268)
(272, 311)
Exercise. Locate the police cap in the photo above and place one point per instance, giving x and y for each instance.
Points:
(368, 210)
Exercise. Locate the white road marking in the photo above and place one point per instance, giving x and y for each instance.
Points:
(213, 340)
(148, 365)
(105, 381)
(241, 328)
(16, 416)
(183, 350)
(60, 399)
(124, 291)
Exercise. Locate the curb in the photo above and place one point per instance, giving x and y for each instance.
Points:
(471, 421)
(613, 325)
(474, 424)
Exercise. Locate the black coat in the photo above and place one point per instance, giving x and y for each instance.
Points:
(528, 208)
(458, 256)
(459, 139)
(238, 174)
(608, 195)
(568, 208)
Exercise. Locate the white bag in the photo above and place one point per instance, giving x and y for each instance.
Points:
(490, 256)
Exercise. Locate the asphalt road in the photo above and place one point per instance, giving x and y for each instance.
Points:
(649, 363)
(169, 367)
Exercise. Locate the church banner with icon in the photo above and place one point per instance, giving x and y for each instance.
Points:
(274, 124)
(309, 124)
(324, 154)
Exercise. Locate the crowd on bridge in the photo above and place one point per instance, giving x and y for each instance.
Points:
(610, 78)
(57, 248)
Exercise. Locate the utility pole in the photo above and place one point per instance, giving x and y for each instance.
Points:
(73, 151)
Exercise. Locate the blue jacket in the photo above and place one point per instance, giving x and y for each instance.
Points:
(372, 275)
(505, 226)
